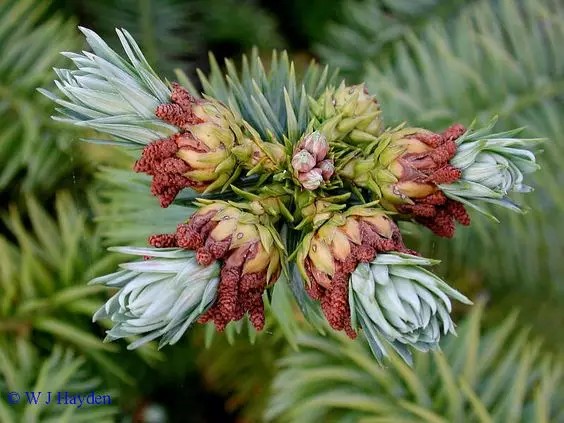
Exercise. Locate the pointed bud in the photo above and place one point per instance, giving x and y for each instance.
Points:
(303, 161)
(349, 114)
(317, 145)
(327, 169)
(311, 180)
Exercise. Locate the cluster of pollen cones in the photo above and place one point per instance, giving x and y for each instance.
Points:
(432, 168)
(334, 253)
(239, 292)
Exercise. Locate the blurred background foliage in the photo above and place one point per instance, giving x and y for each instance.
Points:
(430, 62)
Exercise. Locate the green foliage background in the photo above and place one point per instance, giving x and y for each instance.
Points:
(430, 62)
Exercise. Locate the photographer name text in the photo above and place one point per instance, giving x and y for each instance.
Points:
(63, 398)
